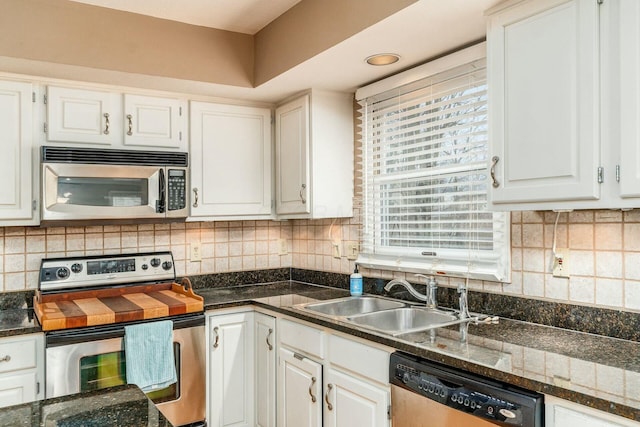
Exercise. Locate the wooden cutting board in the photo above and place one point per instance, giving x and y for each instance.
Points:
(116, 305)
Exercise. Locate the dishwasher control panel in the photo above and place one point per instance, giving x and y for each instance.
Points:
(465, 392)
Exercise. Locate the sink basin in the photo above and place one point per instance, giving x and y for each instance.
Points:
(350, 306)
(403, 320)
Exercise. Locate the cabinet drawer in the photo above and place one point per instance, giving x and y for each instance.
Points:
(300, 337)
(17, 353)
(370, 362)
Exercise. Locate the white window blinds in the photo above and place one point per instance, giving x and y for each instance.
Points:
(425, 156)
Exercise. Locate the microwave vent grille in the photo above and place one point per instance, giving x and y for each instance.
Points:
(113, 157)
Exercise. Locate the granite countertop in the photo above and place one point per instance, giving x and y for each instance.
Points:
(110, 407)
(592, 370)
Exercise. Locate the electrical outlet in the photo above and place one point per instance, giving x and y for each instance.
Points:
(335, 250)
(196, 254)
(283, 247)
(352, 251)
(561, 263)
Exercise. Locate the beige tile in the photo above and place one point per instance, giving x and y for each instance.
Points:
(608, 216)
(55, 243)
(562, 235)
(609, 292)
(15, 281)
(632, 265)
(532, 216)
(14, 263)
(221, 265)
(609, 264)
(516, 235)
(581, 236)
(632, 295)
(610, 380)
(533, 260)
(632, 237)
(534, 361)
(235, 234)
(583, 373)
(532, 235)
(582, 289)
(248, 262)
(178, 237)
(533, 284)
(112, 241)
(581, 216)
(557, 366)
(235, 263)
(94, 241)
(556, 288)
(582, 263)
(608, 237)
(249, 247)
(14, 245)
(75, 242)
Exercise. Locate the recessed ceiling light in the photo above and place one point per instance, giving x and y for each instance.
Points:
(383, 59)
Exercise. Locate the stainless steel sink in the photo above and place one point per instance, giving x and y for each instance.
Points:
(350, 306)
(402, 320)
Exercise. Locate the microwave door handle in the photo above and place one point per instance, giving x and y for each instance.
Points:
(163, 194)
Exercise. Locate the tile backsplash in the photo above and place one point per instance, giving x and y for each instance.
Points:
(604, 258)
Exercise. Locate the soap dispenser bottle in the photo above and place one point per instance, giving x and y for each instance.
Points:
(355, 283)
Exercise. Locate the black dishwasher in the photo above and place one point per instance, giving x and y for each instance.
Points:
(427, 394)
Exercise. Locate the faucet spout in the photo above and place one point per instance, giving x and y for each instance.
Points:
(406, 285)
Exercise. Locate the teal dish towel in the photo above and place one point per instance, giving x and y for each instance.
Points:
(148, 349)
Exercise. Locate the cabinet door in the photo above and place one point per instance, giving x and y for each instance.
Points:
(231, 370)
(230, 160)
(627, 22)
(299, 391)
(16, 111)
(83, 116)
(293, 190)
(154, 122)
(265, 383)
(353, 402)
(544, 101)
(17, 388)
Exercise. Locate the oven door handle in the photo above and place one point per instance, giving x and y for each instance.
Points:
(103, 332)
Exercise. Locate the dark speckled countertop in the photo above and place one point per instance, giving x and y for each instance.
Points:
(592, 370)
(112, 407)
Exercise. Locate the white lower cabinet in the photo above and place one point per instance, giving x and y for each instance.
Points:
(326, 379)
(561, 413)
(265, 375)
(299, 390)
(21, 369)
(230, 370)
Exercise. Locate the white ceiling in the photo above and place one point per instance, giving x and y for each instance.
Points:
(422, 31)
(242, 16)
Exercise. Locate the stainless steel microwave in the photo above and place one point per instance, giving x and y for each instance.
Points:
(85, 184)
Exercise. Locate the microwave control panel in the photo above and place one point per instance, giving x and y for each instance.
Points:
(177, 189)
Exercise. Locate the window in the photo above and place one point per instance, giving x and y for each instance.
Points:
(425, 157)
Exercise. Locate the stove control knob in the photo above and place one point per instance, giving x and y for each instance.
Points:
(167, 265)
(155, 262)
(76, 268)
(145, 266)
(62, 273)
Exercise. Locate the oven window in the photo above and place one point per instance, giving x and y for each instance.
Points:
(103, 191)
(109, 369)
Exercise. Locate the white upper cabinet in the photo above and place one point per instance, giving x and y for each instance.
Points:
(314, 156)
(154, 122)
(544, 83)
(231, 161)
(83, 116)
(17, 193)
(96, 118)
(621, 21)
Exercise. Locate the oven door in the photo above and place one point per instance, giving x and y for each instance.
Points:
(93, 358)
(85, 192)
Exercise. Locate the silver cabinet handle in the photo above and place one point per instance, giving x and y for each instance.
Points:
(195, 198)
(269, 336)
(313, 397)
(130, 120)
(302, 197)
(494, 162)
(326, 397)
(7, 358)
(217, 337)
(106, 123)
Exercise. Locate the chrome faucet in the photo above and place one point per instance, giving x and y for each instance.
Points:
(432, 290)
(463, 303)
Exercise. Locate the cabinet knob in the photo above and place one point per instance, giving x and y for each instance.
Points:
(106, 123)
(302, 195)
(130, 120)
(313, 397)
(7, 358)
(494, 162)
(269, 345)
(326, 397)
(195, 198)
